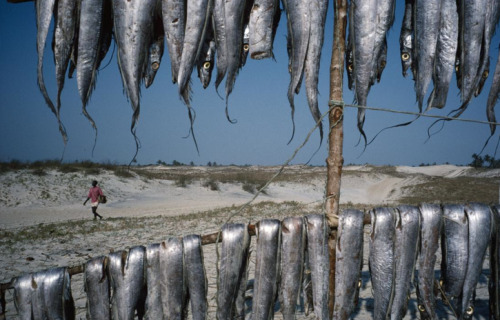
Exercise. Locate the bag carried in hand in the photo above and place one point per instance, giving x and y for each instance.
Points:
(102, 199)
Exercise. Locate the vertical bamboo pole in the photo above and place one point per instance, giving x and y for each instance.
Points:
(335, 159)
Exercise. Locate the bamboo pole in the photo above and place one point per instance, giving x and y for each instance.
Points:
(335, 159)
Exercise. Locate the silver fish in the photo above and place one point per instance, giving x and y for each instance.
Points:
(298, 26)
(52, 298)
(406, 37)
(454, 247)
(90, 34)
(174, 23)
(246, 47)
(307, 290)
(479, 217)
(384, 20)
(173, 279)
(232, 267)
(381, 259)
(348, 263)
(198, 15)
(219, 23)
(293, 242)
(319, 262)
(155, 48)
(154, 304)
(44, 11)
(261, 28)
(349, 62)
(484, 77)
(362, 31)
(64, 34)
(133, 23)
(317, 11)
(127, 280)
(430, 230)
(97, 288)
(494, 284)
(196, 277)
(446, 51)
(493, 97)
(426, 15)
(381, 60)
(472, 16)
(266, 268)
(206, 60)
(234, 13)
(23, 292)
(405, 256)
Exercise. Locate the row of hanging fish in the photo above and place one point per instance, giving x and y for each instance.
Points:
(437, 37)
(197, 33)
(406, 239)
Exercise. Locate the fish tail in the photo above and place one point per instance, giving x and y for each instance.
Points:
(292, 107)
(135, 116)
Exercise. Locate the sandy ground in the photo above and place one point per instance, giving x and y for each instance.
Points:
(30, 200)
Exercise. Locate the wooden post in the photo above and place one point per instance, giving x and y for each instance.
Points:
(335, 159)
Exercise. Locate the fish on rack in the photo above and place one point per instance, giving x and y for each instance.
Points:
(156, 47)
(174, 24)
(494, 283)
(446, 50)
(405, 257)
(381, 259)
(23, 293)
(454, 252)
(206, 61)
(267, 267)
(126, 271)
(232, 270)
(430, 231)
(479, 218)
(196, 278)
(381, 61)
(97, 288)
(406, 38)
(319, 262)
(348, 263)
(173, 279)
(154, 304)
(293, 242)
(261, 25)
(384, 21)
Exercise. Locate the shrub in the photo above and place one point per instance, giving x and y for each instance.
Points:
(212, 185)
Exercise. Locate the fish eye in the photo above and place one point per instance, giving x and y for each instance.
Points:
(485, 74)
(359, 283)
(155, 66)
(405, 56)
(206, 65)
(470, 310)
(382, 64)
(421, 308)
(349, 67)
(441, 283)
(245, 47)
(457, 68)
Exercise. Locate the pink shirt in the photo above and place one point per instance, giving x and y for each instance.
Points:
(94, 193)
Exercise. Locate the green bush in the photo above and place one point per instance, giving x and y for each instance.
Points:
(212, 185)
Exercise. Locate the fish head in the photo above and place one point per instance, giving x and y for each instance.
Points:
(245, 47)
(349, 66)
(406, 53)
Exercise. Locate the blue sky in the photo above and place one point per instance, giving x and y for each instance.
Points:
(29, 130)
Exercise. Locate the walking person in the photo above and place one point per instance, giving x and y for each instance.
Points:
(93, 196)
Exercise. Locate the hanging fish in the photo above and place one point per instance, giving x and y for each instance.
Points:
(155, 48)
(381, 260)
(64, 34)
(232, 268)
(430, 230)
(219, 23)
(97, 288)
(266, 268)
(381, 60)
(93, 17)
(426, 15)
(261, 25)
(384, 20)
(74, 47)
(479, 217)
(319, 262)
(317, 11)
(446, 51)
(406, 38)
(23, 292)
(405, 256)
(245, 48)
(174, 23)
(196, 277)
(455, 251)
(154, 304)
(293, 242)
(206, 61)
(307, 289)
(173, 279)
(349, 62)
(348, 263)
(126, 271)
(494, 284)
(493, 97)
